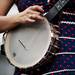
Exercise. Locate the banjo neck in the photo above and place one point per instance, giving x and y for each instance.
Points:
(55, 9)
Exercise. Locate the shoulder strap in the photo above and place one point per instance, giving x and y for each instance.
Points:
(55, 9)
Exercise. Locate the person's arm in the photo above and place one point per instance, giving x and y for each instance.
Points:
(29, 15)
(5, 6)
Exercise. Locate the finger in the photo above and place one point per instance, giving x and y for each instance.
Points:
(37, 8)
(37, 17)
(34, 12)
(30, 20)
(27, 20)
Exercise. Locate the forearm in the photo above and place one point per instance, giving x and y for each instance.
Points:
(29, 15)
(7, 23)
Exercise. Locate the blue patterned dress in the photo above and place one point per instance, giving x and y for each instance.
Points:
(64, 63)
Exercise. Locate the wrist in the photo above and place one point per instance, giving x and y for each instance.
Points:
(14, 20)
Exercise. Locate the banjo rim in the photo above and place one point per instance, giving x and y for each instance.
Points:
(12, 61)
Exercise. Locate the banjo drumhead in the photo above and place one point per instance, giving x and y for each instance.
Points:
(5, 67)
(26, 46)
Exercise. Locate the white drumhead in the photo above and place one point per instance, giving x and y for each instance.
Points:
(26, 46)
(5, 67)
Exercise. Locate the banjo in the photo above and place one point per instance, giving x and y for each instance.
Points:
(28, 46)
(31, 46)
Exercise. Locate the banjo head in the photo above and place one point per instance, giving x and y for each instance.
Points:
(27, 45)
